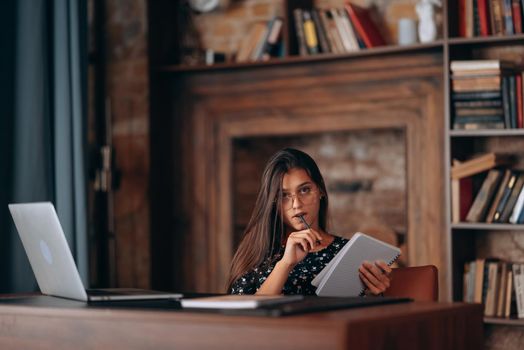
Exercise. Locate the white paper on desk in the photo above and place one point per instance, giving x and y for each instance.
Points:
(238, 301)
(340, 277)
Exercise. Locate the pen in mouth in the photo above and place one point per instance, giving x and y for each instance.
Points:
(301, 217)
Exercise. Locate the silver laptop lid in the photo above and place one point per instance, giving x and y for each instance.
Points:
(46, 247)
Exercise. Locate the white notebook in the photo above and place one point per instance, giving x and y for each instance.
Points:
(340, 277)
(238, 301)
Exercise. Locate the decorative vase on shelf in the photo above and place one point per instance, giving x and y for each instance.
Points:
(427, 26)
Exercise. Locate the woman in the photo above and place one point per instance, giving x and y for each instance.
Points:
(279, 254)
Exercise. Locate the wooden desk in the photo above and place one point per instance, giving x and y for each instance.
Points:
(398, 326)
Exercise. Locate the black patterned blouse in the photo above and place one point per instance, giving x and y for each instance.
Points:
(299, 280)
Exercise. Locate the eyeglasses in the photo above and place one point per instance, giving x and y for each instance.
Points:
(305, 194)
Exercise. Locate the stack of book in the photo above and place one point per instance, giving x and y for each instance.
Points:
(500, 198)
(263, 41)
(462, 183)
(497, 284)
(489, 17)
(486, 94)
(335, 30)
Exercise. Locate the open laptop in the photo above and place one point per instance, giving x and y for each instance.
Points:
(52, 262)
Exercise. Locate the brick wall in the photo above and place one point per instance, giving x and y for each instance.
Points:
(364, 171)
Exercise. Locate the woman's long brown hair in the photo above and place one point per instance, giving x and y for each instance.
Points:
(264, 232)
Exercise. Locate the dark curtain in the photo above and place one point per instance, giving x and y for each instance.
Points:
(43, 125)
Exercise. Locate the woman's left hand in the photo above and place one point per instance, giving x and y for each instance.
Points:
(375, 276)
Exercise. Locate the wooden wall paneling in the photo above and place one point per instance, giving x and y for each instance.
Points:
(201, 213)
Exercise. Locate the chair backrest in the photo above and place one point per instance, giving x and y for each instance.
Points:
(419, 283)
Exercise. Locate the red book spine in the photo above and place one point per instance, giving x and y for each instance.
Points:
(520, 111)
(462, 18)
(483, 17)
(364, 25)
(466, 197)
(517, 16)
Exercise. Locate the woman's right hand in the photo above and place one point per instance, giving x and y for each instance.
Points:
(298, 245)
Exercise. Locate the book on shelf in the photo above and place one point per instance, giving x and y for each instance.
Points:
(349, 30)
(497, 201)
(344, 31)
(490, 217)
(478, 209)
(489, 17)
(475, 83)
(491, 282)
(465, 15)
(478, 295)
(273, 44)
(461, 198)
(517, 16)
(257, 51)
(332, 34)
(518, 281)
(486, 103)
(501, 290)
(492, 289)
(364, 25)
(479, 65)
(310, 33)
(299, 30)
(483, 15)
(512, 101)
(512, 200)
(508, 298)
(329, 31)
(335, 30)
(477, 96)
(479, 112)
(497, 17)
(515, 217)
(507, 188)
(486, 94)
(252, 42)
(478, 125)
(520, 102)
(478, 164)
(508, 18)
(325, 45)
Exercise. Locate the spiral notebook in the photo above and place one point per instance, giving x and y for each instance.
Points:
(340, 277)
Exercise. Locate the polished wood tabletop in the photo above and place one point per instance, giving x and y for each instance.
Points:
(46, 322)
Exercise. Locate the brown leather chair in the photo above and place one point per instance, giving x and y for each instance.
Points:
(419, 283)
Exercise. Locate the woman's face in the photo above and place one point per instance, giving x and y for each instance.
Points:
(300, 196)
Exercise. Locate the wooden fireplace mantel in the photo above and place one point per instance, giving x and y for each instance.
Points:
(204, 112)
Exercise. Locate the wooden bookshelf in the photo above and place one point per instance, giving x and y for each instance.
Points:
(504, 321)
(486, 133)
(323, 57)
(470, 241)
(487, 227)
(490, 40)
